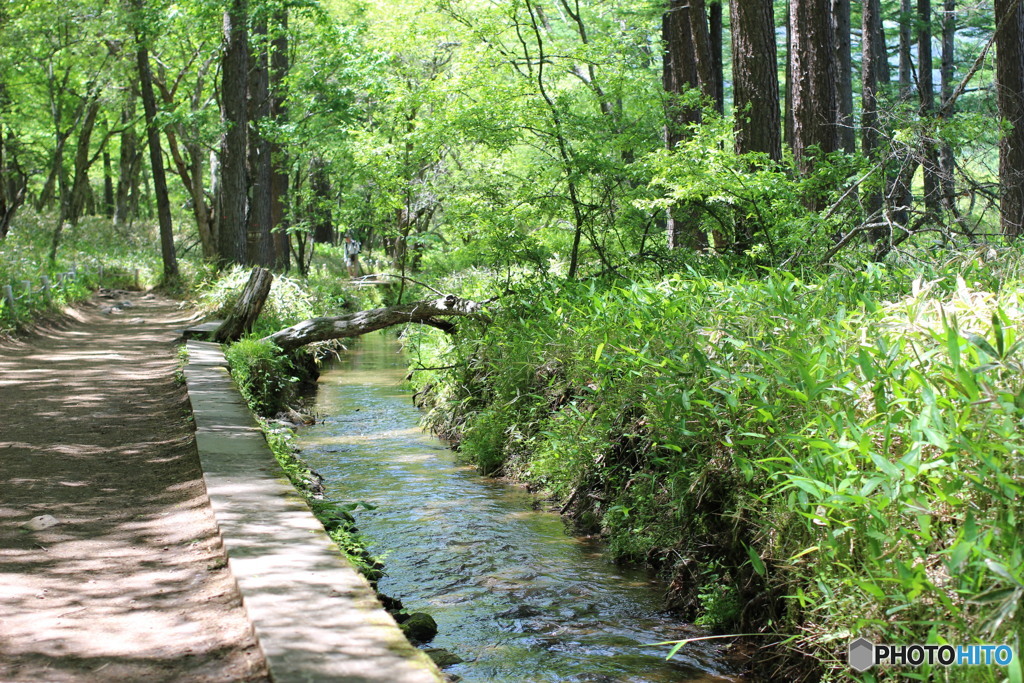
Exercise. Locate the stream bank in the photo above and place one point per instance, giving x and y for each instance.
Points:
(514, 595)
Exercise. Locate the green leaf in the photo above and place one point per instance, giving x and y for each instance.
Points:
(997, 328)
(757, 562)
(597, 354)
(982, 344)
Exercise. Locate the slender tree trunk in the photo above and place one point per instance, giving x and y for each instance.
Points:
(844, 73)
(80, 183)
(926, 88)
(906, 67)
(108, 184)
(279, 67)
(815, 99)
(715, 22)
(700, 34)
(156, 159)
(899, 193)
(787, 131)
(872, 52)
(1009, 15)
(13, 182)
(320, 206)
(260, 246)
(947, 162)
(234, 183)
(128, 164)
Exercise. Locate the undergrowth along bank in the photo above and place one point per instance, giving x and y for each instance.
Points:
(821, 458)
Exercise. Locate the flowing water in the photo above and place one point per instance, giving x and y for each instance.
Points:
(513, 594)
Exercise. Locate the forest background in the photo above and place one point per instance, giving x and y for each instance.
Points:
(754, 290)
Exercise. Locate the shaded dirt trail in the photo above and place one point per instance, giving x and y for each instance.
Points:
(132, 584)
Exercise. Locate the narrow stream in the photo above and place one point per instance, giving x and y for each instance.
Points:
(513, 594)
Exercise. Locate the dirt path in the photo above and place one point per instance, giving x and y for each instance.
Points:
(132, 584)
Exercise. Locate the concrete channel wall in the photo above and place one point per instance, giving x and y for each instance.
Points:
(315, 616)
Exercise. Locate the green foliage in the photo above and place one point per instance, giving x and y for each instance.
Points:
(845, 448)
(262, 372)
(99, 255)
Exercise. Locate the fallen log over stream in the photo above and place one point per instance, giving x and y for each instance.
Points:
(427, 312)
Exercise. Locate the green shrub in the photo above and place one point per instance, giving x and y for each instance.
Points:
(262, 372)
(844, 452)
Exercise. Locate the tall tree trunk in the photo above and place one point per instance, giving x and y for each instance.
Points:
(13, 181)
(906, 67)
(755, 78)
(234, 183)
(108, 184)
(679, 71)
(1009, 15)
(279, 67)
(319, 208)
(873, 52)
(844, 72)
(715, 23)
(700, 34)
(260, 247)
(926, 88)
(815, 100)
(899, 192)
(80, 183)
(787, 131)
(156, 158)
(679, 74)
(947, 162)
(128, 164)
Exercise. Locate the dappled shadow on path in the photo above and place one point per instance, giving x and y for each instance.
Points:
(131, 584)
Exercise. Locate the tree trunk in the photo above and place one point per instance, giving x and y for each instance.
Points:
(787, 130)
(156, 157)
(260, 247)
(234, 183)
(755, 78)
(355, 324)
(108, 184)
(1009, 16)
(700, 34)
(679, 71)
(245, 312)
(815, 102)
(873, 52)
(926, 90)
(279, 67)
(947, 162)
(128, 164)
(906, 40)
(715, 23)
(320, 203)
(13, 183)
(679, 74)
(844, 72)
(80, 183)
(899, 193)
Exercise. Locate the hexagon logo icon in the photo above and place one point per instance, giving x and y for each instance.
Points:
(861, 654)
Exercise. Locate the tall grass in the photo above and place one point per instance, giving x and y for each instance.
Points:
(823, 458)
